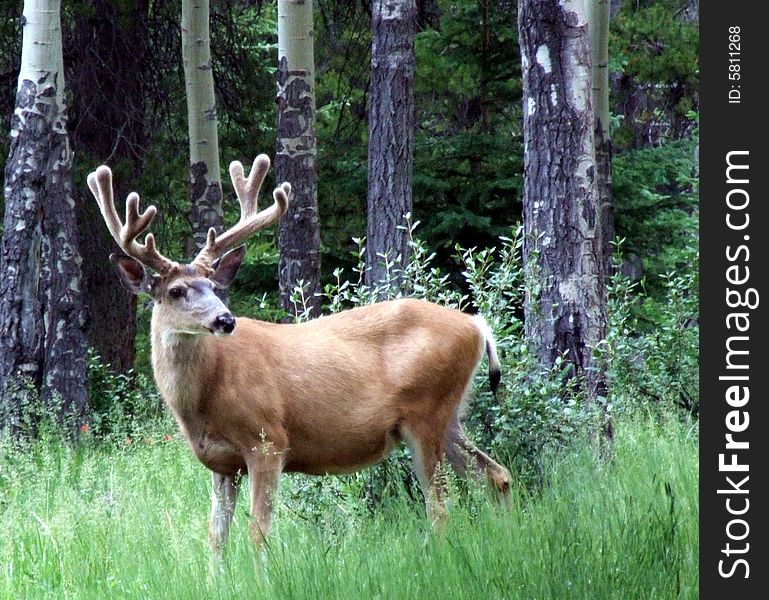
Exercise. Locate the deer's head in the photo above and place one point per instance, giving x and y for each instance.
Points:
(184, 294)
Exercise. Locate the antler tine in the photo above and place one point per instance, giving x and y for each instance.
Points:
(136, 222)
(247, 190)
(100, 184)
(251, 219)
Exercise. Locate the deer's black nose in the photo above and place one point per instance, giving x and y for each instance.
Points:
(225, 322)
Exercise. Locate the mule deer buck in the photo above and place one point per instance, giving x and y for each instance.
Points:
(332, 395)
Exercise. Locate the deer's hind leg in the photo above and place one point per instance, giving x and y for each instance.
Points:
(426, 442)
(461, 454)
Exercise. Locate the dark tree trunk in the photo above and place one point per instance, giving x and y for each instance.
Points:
(42, 343)
(107, 66)
(391, 135)
(691, 13)
(64, 314)
(205, 194)
(111, 310)
(295, 159)
(428, 14)
(21, 322)
(299, 234)
(566, 303)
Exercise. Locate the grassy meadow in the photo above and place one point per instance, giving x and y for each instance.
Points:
(129, 520)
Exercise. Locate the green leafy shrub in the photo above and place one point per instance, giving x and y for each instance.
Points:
(123, 405)
(652, 344)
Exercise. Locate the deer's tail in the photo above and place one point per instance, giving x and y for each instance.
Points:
(495, 371)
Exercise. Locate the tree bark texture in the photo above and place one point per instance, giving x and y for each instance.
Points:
(107, 66)
(295, 159)
(42, 342)
(691, 13)
(391, 134)
(205, 185)
(565, 307)
(598, 29)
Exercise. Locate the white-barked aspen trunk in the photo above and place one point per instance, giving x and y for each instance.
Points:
(42, 346)
(205, 182)
(598, 29)
(563, 249)
(295, 159)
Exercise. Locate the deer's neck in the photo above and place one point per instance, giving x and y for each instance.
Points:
(179, 361)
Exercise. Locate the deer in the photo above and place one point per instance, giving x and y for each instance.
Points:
(331, 395)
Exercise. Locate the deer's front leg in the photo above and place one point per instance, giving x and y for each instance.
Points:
(224, 497)
(265, 464)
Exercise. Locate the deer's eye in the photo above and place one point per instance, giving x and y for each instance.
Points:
(176, 292)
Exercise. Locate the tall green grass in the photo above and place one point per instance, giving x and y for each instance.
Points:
(131, 522)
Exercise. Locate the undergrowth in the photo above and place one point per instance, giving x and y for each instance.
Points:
(122, 511)
(130, 521)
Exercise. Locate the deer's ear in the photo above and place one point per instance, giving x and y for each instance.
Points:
(226, 267)
(132, 273)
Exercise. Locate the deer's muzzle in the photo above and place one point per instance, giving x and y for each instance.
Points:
(224, 323)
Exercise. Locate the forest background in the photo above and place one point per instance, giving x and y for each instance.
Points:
(126, 107)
